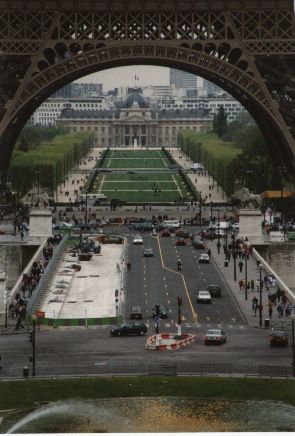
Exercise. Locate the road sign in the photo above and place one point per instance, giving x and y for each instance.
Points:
(157, 319)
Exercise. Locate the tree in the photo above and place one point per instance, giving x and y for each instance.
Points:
(220, 122)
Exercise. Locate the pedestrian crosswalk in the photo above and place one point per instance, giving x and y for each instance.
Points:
(168, 325)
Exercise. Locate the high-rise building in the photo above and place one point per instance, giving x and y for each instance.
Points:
(182, 79)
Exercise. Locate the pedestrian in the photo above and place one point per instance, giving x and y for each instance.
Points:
(209, 252)
(280, 309)
(279, 294)
(270, 309)
(254, 305)
(22, 235)
(128, 266)
(241, 284)
(252, 285)
(241, 265)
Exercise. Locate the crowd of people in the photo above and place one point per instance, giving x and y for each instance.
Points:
(18, 306)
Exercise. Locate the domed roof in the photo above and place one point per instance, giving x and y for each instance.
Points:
(135, 98)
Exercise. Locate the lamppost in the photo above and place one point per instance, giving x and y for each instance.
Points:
(37, 173)
(179, 302)
(218, 235)
(260, 296)
(293, 343)
(246, 274)
(234, 255)
(32, 339)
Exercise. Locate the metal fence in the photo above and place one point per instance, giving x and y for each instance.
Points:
(113, 367)
(35, 299)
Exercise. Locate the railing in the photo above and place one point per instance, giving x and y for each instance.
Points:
(113, 367)
(48, 270)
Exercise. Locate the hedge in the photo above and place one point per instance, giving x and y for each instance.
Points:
(51, 159)
(215, 154)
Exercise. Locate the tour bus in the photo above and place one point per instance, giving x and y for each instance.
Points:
(174, 224)
(91, 198)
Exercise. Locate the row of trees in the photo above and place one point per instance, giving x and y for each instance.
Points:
(47, 163)
(235, 154)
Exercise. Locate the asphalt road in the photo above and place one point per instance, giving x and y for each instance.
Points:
(80, 351)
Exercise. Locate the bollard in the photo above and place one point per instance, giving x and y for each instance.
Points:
(25, 372)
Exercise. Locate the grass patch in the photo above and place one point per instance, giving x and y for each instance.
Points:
(141, 187)
(15, 394)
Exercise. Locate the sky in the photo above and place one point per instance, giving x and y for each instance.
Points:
(124, 76)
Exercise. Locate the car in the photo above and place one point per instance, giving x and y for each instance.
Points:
(137, 240)
(182, 234)
(162, 311)
(220, 232)
(129, 328)
(278, 338)
(148, 252)
(180, 241)
(235, 226)
(165, 233)
(203, 297)
(136, 312)
(104, 170)
(215, 290)
(204, 258)
(198, 243)
(147, 226)
(214, 336)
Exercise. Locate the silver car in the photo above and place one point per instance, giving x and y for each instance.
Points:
(204, 297)
(215, 336)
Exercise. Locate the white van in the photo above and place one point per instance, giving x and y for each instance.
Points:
(91, 198)
(175, 224)
(197, 166)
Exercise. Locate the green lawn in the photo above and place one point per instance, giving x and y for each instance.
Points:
(136, 163)
(125, 154)
(141, 187)
(24, 393)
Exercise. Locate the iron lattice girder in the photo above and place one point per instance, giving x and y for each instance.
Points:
(146, 5)
(22, 31)
(191, 58)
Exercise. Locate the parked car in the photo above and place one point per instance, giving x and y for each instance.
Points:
(204, 258)
(129, 328)
(215, 290)
(165, 233)
(137, 240)
(163, 313)
(182, 233)
(278, 338)
(220, 232)
(215, 336)
(136, 312)
(148, 252)
(203, 297)
(198, 243)
(180, 241)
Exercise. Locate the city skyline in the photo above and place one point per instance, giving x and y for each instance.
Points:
(146, 74)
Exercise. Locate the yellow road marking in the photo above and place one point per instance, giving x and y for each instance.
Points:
(195, 315)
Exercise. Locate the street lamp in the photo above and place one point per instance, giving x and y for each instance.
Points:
(246, 275)
(260, 296)
(32, 339)
(293, 343)
(234, 255)
(37, 173)
(218, 235)
(179, 302)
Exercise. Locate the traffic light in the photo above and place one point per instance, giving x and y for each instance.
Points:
(179, 301)
(31, 337)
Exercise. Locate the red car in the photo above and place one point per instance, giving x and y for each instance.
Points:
(165, 233)
(180, 241)
(182, 233)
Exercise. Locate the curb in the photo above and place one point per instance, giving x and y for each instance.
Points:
(176, 345)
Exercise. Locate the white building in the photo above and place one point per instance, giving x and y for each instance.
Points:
(50, 110)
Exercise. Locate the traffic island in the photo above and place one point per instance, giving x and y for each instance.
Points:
(169, 341)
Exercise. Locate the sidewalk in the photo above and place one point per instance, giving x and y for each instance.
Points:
(201, 182)
(239, 295)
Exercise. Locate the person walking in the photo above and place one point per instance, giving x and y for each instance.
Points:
(270, 309)
(254, 305)
(252, 285)
(241, 265)
(128, 266)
